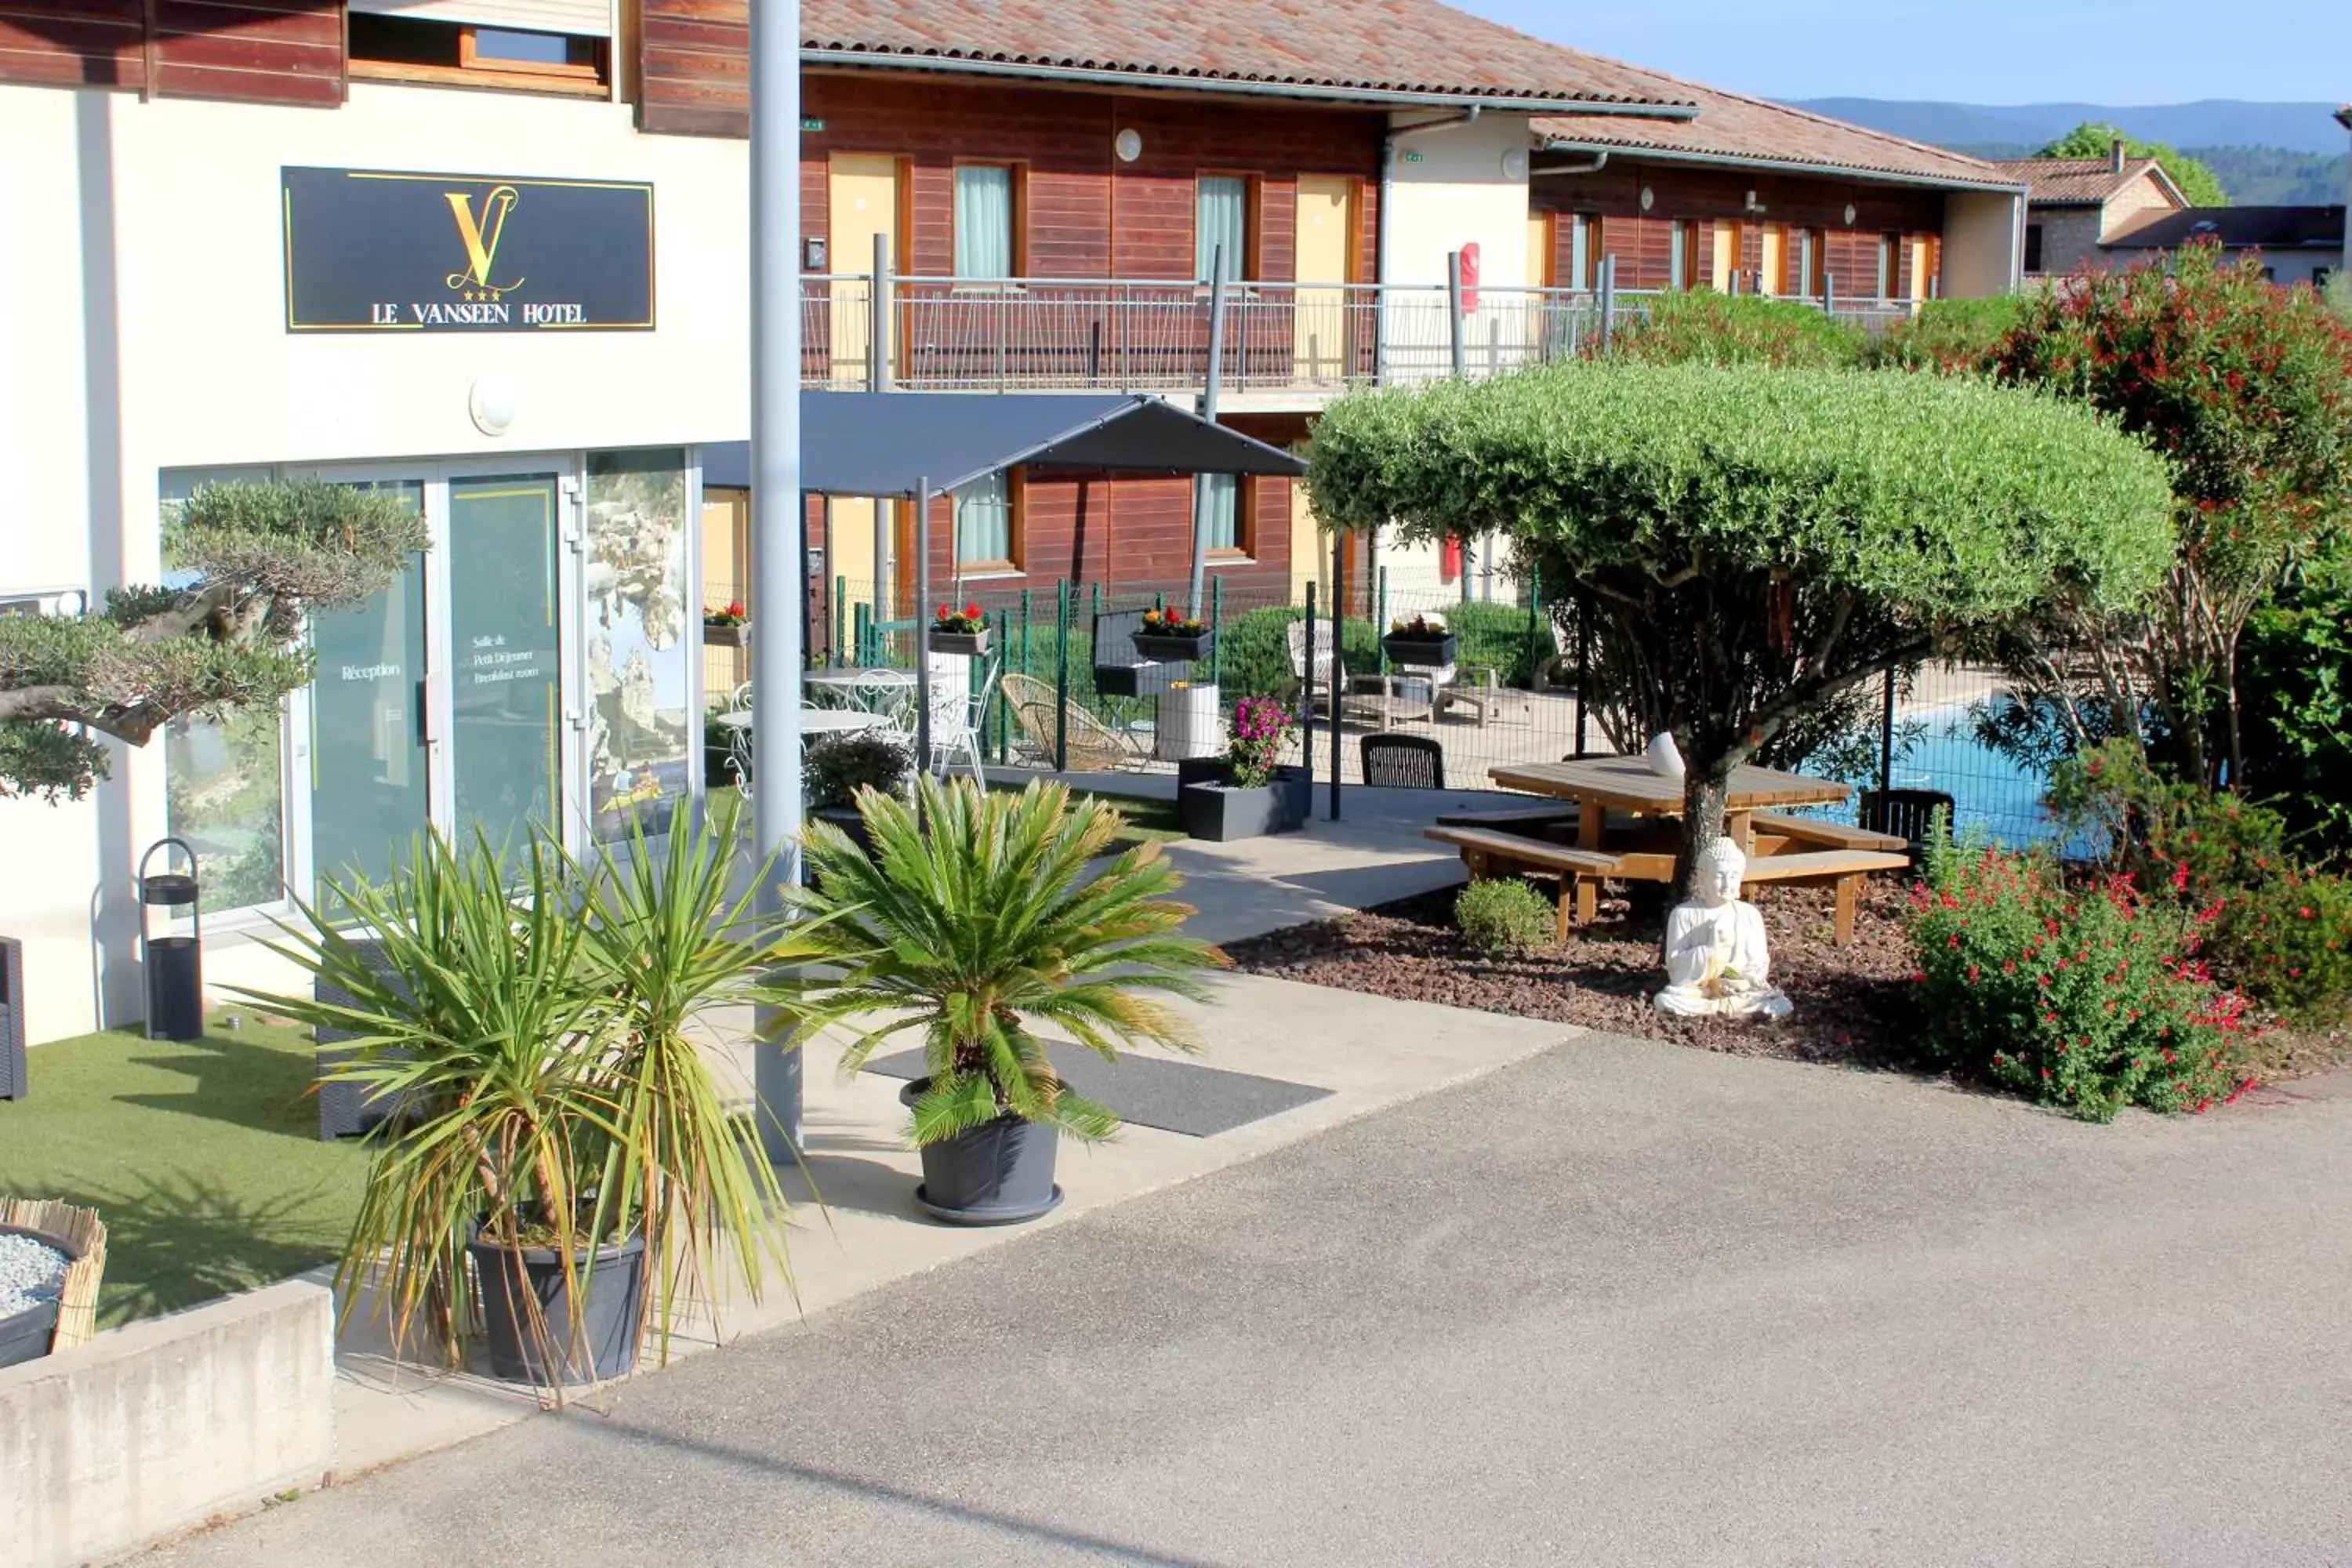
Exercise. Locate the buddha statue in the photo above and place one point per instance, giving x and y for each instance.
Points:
(1716, 963)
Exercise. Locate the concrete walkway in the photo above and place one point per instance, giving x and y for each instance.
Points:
(1623, 1303)
(857, 1227)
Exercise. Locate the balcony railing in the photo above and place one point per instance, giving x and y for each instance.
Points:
(1296, 340)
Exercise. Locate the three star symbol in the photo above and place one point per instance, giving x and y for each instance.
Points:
(487, 296)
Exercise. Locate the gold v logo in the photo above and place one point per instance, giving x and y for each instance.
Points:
(481, 237)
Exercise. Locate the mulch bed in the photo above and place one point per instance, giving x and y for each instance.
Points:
(1854, 1005)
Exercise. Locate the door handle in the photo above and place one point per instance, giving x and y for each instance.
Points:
(424, 722)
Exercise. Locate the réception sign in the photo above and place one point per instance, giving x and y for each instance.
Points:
(372, 251)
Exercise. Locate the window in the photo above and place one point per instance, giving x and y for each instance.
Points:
(1682, 261)
(1221, 221)
(1890, 262)
(432, 48)
(225, 779)
(984, 523)
(1809, 274)
(2034, 247)
(1583, 251)
(1226, 517)
(985, 226)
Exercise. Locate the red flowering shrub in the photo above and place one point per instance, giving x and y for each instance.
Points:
(2289, 941)
(2088, 998)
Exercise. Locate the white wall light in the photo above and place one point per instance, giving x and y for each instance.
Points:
(491, 402)
(1129, 145)
(1648, 199)
(1515, 163)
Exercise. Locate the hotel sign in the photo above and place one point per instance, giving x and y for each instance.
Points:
(369, 251)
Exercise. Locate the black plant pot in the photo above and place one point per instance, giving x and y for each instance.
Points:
(558, 1345)
(999, 1174)
(971, 644)
(1162, 648)
(1218, 810)
(1428, 652)
(27, 1335)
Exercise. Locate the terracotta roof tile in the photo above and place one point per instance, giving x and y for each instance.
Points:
(1733, 127)
(2080, 181)
(1376, 45)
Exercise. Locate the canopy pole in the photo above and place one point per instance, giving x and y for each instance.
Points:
(922, 617)
(778, 515)
(1209, 413)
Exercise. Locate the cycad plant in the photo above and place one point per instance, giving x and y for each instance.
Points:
(528, 1020)
(978, 915)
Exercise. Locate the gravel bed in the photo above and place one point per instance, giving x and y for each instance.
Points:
(1852, 1003)
(31, 1273)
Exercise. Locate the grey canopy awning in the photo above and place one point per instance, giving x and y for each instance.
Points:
(885, 444)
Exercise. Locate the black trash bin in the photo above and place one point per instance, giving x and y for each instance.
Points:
(173, 964)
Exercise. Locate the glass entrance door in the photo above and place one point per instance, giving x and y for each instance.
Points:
(369, 760)
(506, 664)
(444, 700)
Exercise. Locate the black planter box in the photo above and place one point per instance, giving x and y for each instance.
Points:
(1165, 649)
(1434, 652)
(1213, 808)
(973, 644)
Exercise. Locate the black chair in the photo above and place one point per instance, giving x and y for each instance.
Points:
(1907, 814)
(1403, 761)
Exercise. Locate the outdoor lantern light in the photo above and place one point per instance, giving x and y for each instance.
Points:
(1515, 163)
(491, 402)
(1129, 145)
(1647, 198)
(1849, 215)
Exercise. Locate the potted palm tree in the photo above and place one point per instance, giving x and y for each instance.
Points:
(556, 1138)
(975, 917)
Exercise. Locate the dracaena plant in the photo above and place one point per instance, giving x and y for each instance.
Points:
(979, 916)
(531, 1022)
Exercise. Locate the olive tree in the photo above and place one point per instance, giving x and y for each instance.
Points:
(251, 561)
(1748, 541)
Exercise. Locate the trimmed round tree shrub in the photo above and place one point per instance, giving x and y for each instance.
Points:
(1503, 915)
(1749, 543)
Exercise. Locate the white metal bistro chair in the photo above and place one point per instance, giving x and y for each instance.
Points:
(957, 717)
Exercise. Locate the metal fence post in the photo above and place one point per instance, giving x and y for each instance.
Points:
(1584, 675)
(1458, 350)
(1307, 722)
(840, 603)
(1535, 621)
(863, 631)
(1339, 655)
(1829, 295)
(1380, 614)
(996, 696)
(1608, 300)
(1062, 679)
(1216, 620)
(1024, 631)
(1887, 735)
(878, 318)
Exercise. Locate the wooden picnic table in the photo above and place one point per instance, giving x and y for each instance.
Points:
(1780, 848)
(1602, 784)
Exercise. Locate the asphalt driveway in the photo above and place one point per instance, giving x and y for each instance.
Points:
(1625, 1303)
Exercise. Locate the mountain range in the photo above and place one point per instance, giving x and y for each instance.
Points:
(2265, 154)
(2214, 123)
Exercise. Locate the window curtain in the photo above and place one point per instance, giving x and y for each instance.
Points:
(983, 521)
(1678, 261)
(1223, 220)
(1579, 252)
(983, 221)
(1221, 519)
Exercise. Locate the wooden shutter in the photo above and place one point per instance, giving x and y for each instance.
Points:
(695, 76)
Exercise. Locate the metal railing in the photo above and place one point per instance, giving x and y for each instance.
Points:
(1034, 334)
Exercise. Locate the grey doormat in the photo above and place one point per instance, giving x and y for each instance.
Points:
(1175, 1097)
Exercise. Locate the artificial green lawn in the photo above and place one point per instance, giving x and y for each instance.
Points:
(204, 1159)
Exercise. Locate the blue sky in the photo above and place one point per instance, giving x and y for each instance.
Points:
(1971, 51)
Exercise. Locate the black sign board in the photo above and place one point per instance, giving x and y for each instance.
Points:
(371, 251)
